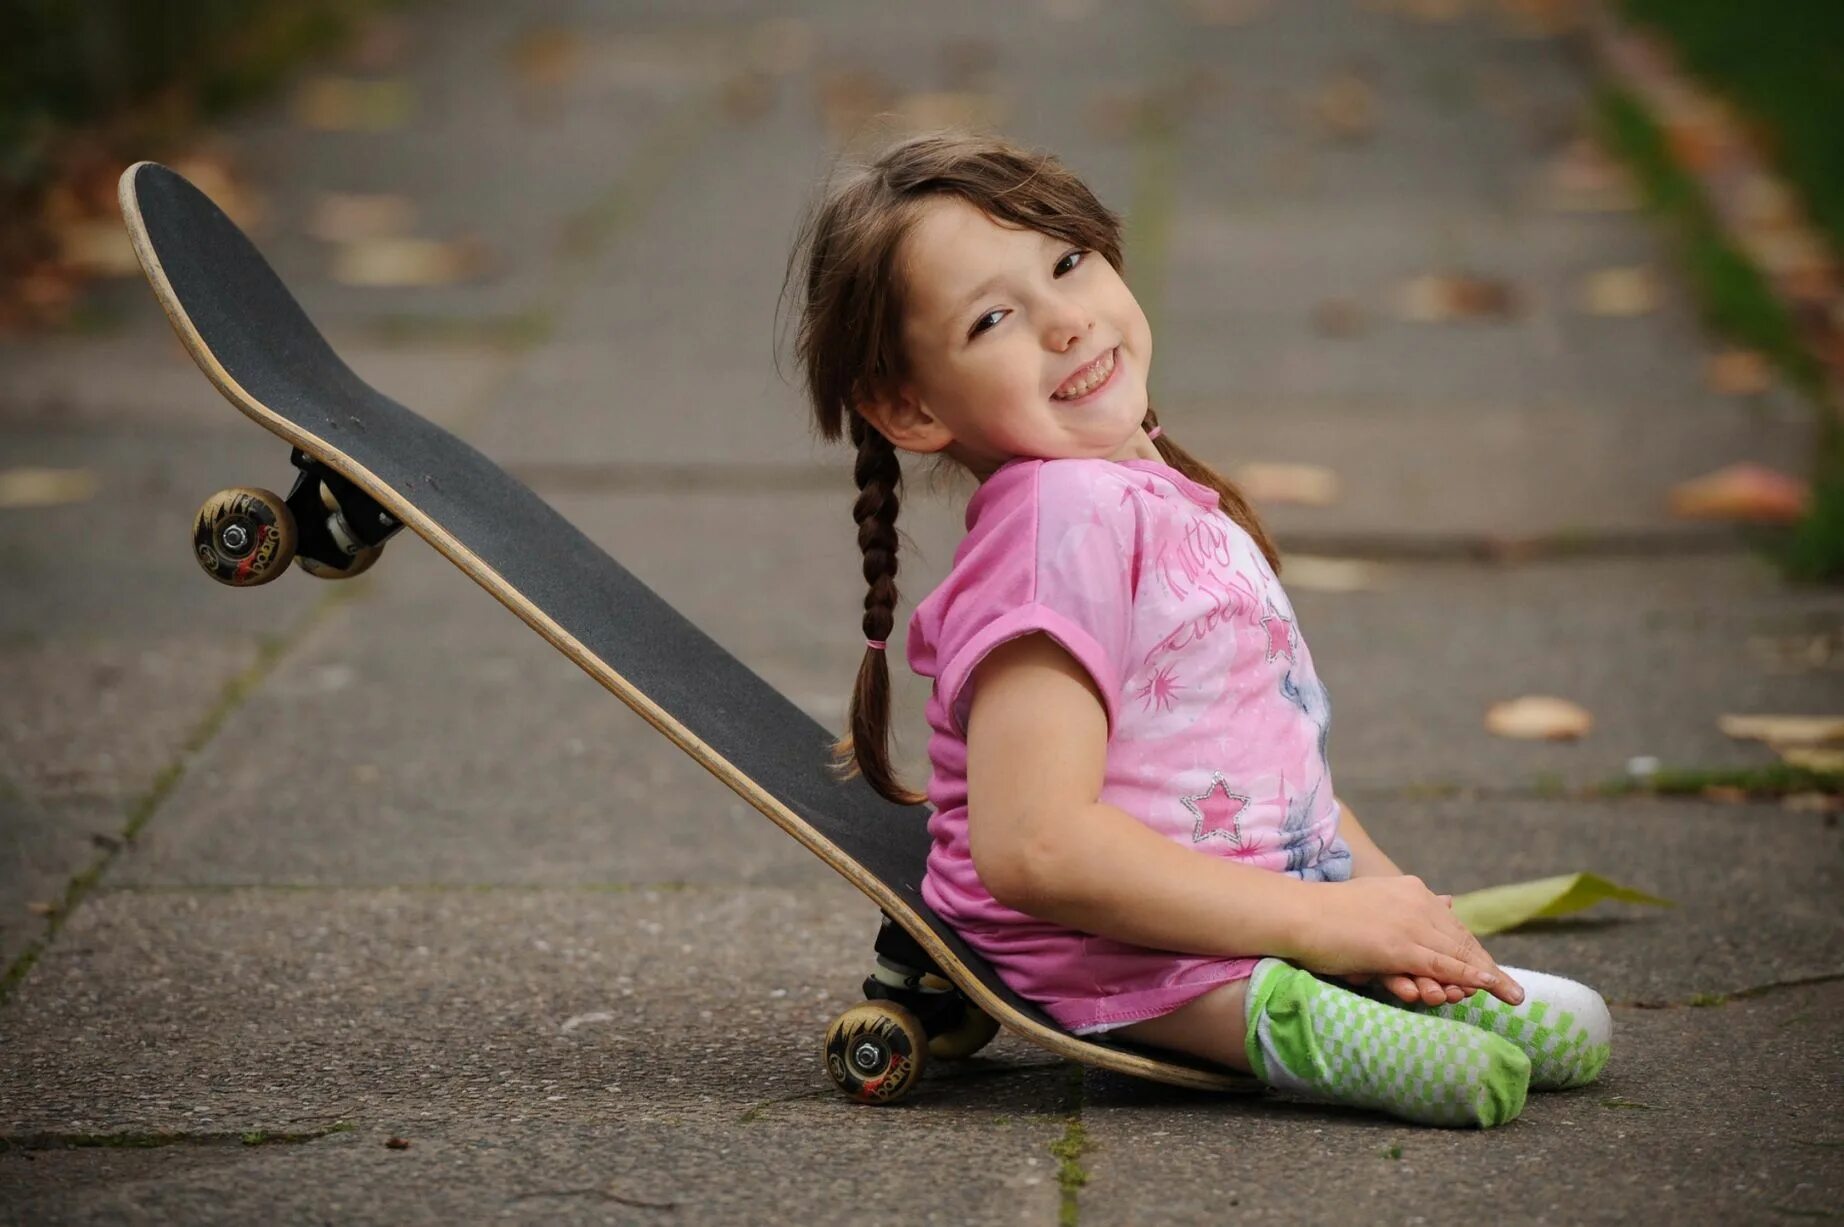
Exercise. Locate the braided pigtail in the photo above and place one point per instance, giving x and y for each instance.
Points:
(866, 747)
(1235, 506)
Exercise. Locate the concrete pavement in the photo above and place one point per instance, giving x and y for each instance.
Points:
(398, 870)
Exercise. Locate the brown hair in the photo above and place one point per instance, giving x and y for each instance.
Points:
(850, 347)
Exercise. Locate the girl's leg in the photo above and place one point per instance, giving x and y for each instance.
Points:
(1561, 1025)
(1301, 1034)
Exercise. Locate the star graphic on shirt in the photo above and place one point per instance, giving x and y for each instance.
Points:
(1280, 632)
(1217, 817)
(1161, 690)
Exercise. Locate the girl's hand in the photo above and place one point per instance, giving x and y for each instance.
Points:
(1413, 990)
(1398, 928)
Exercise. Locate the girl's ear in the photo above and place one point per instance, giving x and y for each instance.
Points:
(905, 421)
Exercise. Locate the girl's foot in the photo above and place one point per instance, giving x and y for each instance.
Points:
(1562, 1026)
(1330, 1044)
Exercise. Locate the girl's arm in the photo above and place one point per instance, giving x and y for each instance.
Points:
(1043, 843)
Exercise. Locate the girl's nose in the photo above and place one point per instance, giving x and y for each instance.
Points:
(1068, 324)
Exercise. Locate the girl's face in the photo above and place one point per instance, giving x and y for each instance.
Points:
(1021, 345)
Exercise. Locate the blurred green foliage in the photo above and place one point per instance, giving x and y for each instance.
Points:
(77, 65)
(1782, 63)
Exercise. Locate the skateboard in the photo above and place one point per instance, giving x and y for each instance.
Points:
(366, 468)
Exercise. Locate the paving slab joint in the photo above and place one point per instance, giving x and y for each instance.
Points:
(1706, 1000)
(269, 653)
(1068, 1150)
(129, 1140)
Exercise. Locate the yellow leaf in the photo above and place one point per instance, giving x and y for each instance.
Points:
(407, 261)
(45, 487)
(1742, 492)
(1307, 485)
(1619, 291)
(1539, 718)
(1790, 730)
(1498, 908)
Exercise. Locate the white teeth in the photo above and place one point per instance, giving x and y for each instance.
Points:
(1098, 375)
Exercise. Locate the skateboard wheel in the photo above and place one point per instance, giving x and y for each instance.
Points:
(361, 562)
(875, 1051)
(244, 536)
(975, 1031)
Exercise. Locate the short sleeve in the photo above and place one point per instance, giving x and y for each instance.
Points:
(1055, 554)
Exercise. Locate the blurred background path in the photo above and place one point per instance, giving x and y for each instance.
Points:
(326, 866)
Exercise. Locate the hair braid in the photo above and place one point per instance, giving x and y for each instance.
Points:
(865, 748)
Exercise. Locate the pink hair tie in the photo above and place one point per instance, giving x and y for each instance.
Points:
(1155, 432)
(876, 645)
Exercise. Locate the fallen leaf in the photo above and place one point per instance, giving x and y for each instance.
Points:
(38, 907)
(350, 217)
(97, 247)
(1315, 574)
(45, 487)
(547, 57)
(950, 109)
(1225, 12)
(1339, 317)
(748, 95)
(343, 104)
(212, 171)
(850, 97)
(1739, 372)
(397, 1144)
(1812, 758)
(1438, 297)
(782, 45)
(1619, 292)
(1725, 794)
(407, 262)
(1345, 107)
(1584, 179)
(1745, 491)
(1498, 908)
(1784, 730)
(1539, 718)
(1305, 485)
(1812, 803)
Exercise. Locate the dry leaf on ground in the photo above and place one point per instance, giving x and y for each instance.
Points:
(849, 97)
(407, 262)
(1785, 730)
(1498, 908)
(1311, 573)
(547, 58)
(1345, 107)
(342, 104)
(1306, 485)
(1438, 297)
(1812, 758)
(350, 217)
(1748, 492)
(97, 247)
(1584, 179)
(1339, 317)
(1739, 372)
(1619, 292)
(45, 487)
(1539, 718)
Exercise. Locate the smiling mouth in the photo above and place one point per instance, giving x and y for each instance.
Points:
(1089, 378)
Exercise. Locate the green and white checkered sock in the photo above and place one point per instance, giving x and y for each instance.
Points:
(1562, 1026)
(1330, 1044)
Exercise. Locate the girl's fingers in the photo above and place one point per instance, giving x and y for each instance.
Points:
(1429, 992)
(1451, 970)
(1403, 988)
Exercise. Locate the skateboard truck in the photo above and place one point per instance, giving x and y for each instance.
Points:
(247, 535)
(875, 1051)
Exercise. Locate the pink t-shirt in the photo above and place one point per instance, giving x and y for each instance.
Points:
(1216, 721)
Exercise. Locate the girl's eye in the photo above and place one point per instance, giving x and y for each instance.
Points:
(1067, 256)
(980, 325)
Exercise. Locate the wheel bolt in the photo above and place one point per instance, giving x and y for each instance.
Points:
(867, 1056)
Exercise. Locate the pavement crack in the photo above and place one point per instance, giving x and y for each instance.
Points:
(1705, 1000)
(147, 1140)
(269, 653)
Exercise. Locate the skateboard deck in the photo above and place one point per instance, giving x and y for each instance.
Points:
(253, 341)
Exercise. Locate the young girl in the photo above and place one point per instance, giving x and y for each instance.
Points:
(1134, 821)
